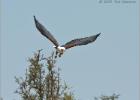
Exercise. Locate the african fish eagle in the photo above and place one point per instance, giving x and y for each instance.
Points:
(62, 48)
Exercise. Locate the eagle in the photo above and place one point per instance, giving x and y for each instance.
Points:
(60, 49)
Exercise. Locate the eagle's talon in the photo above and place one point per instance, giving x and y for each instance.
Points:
(60, 54)
(56, 53)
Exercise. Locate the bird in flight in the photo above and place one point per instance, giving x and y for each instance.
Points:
(60, 49)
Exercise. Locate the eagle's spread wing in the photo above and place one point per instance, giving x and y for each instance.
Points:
(45, 32)
(81, 41)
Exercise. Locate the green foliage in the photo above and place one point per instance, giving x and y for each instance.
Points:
(112, 97)
(42, 80)
(68, 96)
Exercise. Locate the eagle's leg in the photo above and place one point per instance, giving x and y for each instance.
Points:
(60, 54)
(56, 54)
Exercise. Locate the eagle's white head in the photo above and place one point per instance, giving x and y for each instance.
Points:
(60, 49)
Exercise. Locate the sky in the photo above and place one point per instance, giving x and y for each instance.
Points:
(109, 65)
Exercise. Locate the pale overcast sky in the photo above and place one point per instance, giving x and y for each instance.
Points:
(110, 65)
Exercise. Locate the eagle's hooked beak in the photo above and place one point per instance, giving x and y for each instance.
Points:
(55, 47)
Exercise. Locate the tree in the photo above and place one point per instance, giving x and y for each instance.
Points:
(112, 97)
(42, 80)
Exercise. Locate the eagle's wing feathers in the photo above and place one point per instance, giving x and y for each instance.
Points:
(45, 32)
(81, 41)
